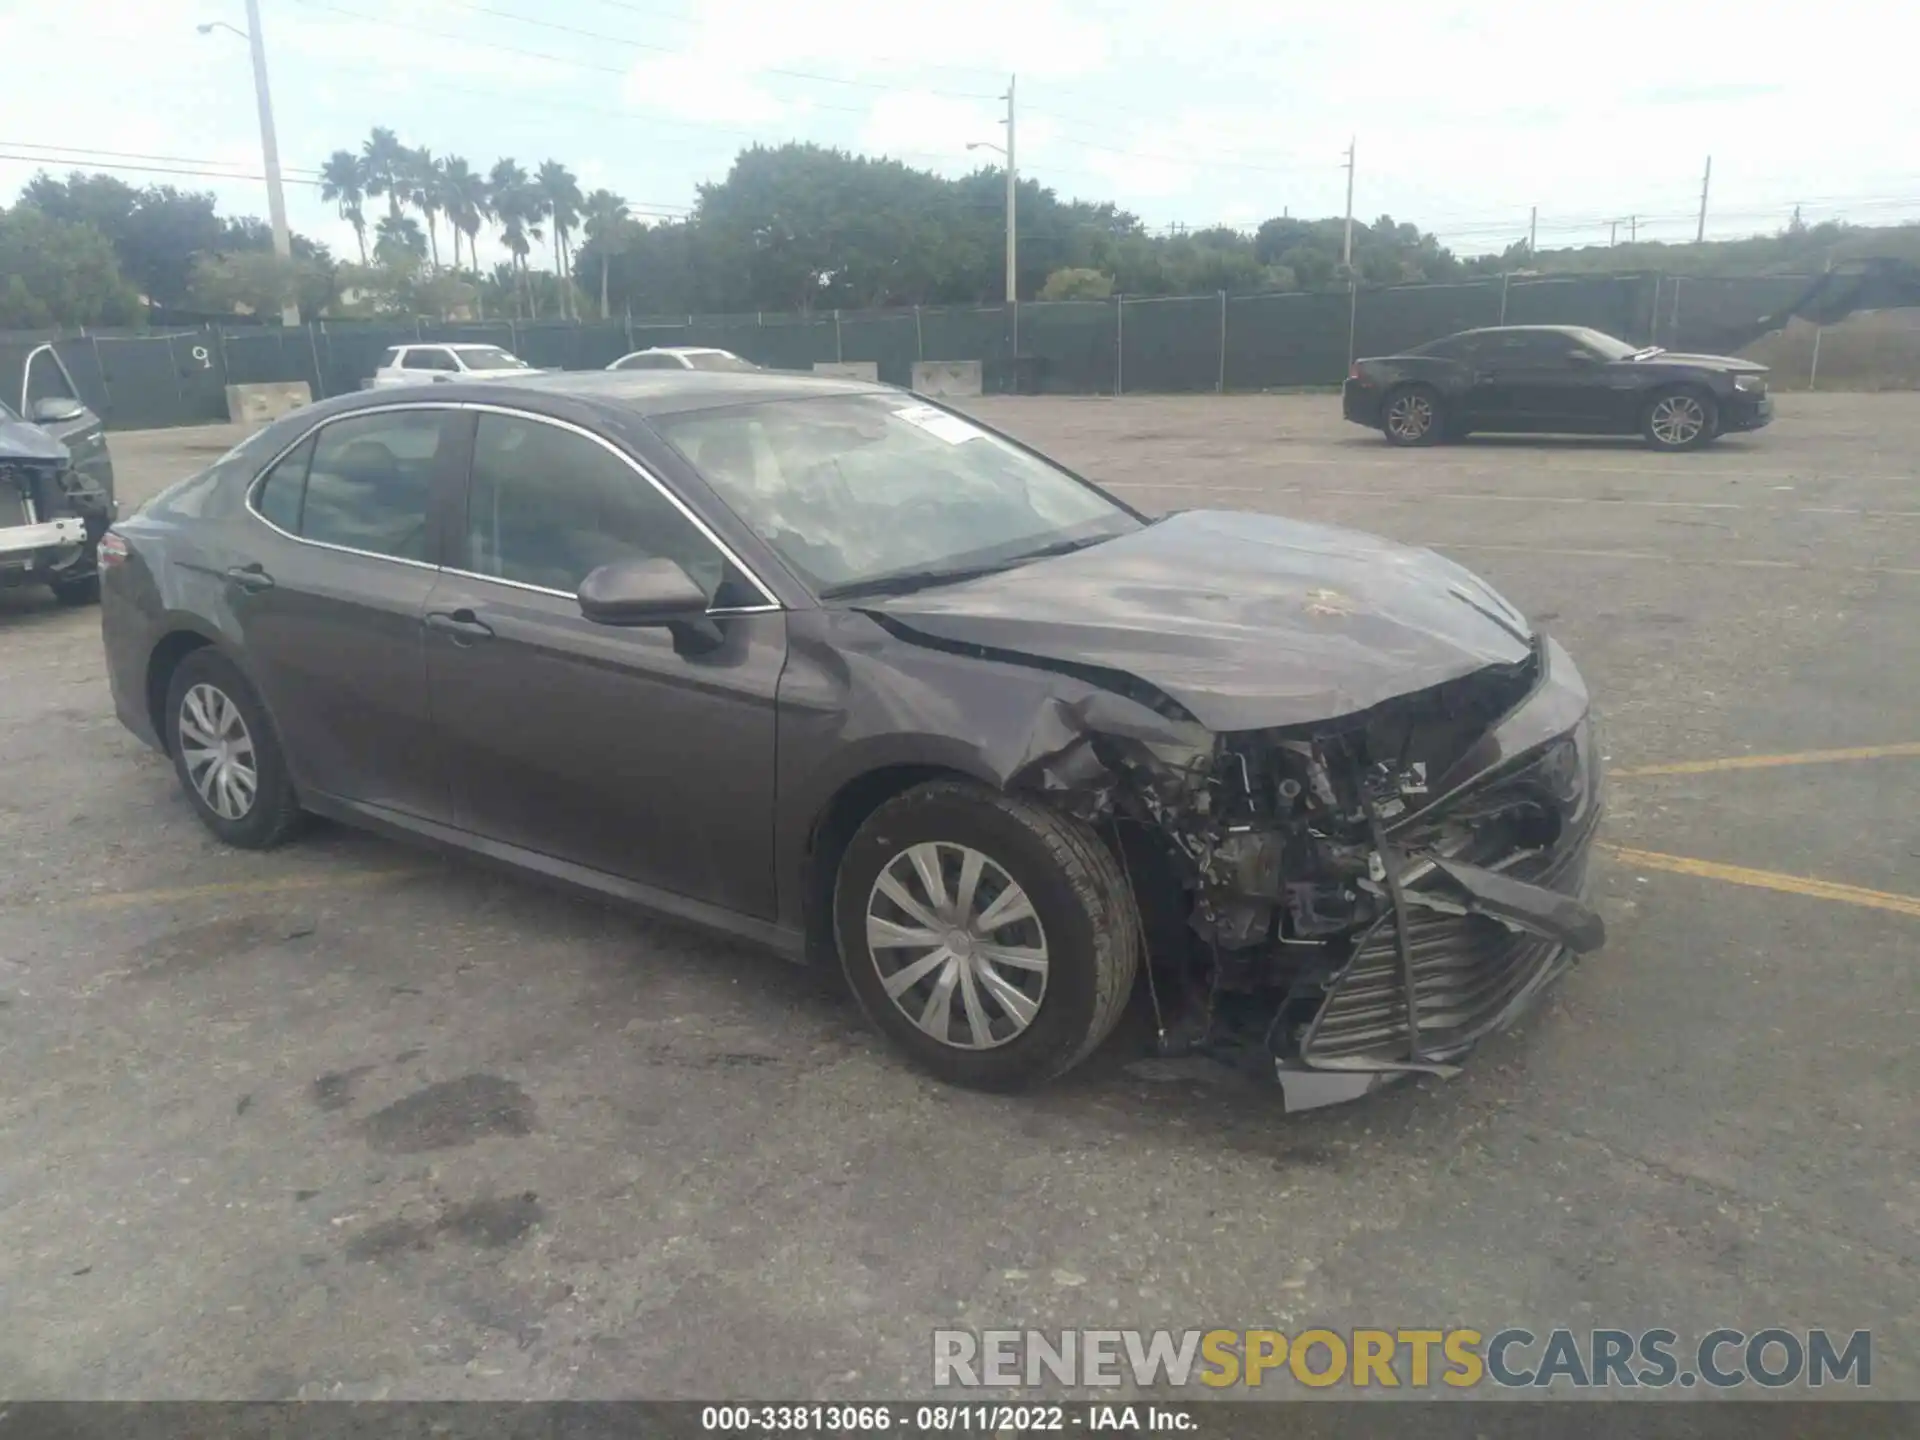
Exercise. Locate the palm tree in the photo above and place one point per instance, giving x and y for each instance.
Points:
(464, 196)
(605, 225)
(384, 163)
(397, 238)
(423, 191)
(343, 181)
(517, 209)
(560, 201)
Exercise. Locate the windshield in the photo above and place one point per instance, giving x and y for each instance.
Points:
(488, 357)
(855, 491)
(719, 360)
(5, 413)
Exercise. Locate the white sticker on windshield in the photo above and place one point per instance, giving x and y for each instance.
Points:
(939, 424)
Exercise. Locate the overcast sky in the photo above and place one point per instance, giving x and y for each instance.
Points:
(1465, 114)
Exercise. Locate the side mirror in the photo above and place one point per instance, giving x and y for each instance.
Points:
(56, 409)
(641, 592)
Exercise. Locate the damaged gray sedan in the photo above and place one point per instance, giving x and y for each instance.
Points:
(822, 665)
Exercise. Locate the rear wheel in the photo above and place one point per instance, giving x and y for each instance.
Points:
(75, 589)
(226, 754)
(1412, 415)
(990, 938)
(1680, 420)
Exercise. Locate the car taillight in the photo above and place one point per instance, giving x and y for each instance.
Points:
(113, 550)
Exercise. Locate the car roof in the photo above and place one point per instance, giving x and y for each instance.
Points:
(683, 350)
(1521, 330)
(644, 392)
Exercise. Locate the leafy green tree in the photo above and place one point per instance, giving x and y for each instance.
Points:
(59, 273)
(259, 282)
(1077, 284)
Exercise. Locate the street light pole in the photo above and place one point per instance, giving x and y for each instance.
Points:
(269, 147)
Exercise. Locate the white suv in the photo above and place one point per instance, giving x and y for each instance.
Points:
(682, 357)
(425, 364)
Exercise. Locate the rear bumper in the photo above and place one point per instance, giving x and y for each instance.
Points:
(1746, 412)
(1360, 403)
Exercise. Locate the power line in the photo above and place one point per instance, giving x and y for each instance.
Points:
(132, 155)
(158, 169)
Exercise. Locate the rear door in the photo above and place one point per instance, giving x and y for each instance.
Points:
(623, 750)
(328, 583)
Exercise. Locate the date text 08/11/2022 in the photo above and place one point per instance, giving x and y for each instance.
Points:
(985, 1419)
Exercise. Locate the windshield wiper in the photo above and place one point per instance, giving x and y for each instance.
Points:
(907, 581)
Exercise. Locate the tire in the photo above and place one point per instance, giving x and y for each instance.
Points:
(76, 590)
(208, 696)
(1412, 415)
(1079, 920)
(1680, 419)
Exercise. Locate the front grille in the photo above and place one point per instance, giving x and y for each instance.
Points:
(1467, 969)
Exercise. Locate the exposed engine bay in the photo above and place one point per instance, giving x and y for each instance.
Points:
(1342, 902)
(51, 514)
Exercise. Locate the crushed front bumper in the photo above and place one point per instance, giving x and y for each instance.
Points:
(19, 540)
(1470, 947)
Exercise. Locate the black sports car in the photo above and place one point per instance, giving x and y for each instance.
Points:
(828, 667)
(1554, 379)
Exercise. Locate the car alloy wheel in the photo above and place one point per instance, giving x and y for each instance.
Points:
(217, 751)
(1409, 416)
(1677, 420)
(957, 944)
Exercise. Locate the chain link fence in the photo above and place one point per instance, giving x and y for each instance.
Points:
(1126, 345)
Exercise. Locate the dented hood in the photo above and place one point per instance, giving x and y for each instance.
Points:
(21, 441)
(1247, 620)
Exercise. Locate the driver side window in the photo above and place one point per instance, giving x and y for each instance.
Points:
(547, 506)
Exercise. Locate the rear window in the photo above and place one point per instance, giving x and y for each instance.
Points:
(390, 358)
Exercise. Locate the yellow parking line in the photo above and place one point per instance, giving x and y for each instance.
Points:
(339, 879)
(1768, 762)
(1766, 880)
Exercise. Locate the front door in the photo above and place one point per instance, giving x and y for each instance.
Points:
(628, 751)
(328, 581)
(1542, 380)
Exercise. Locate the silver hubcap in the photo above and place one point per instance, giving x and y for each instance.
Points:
(218, 752)
(1678, 420)
(957, 944)
(1410, 416)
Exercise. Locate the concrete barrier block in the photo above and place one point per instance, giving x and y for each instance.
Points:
(849, 369)
(261, 405)
(946, 377)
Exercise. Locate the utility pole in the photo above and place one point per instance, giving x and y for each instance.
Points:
(270, 152)
(269, 146)
(1533, 232)
(1633, 229)
(1613, 232)
(1013, 204)
(1346, 255)
(1700, 234)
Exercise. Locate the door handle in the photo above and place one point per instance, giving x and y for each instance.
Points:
(463, 625)
(251, 578)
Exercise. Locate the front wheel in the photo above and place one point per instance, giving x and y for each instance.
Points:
(1412, 415)
(992, 939)
(1680, 420)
